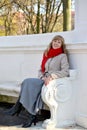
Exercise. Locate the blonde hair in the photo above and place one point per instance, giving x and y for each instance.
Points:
(57, 37)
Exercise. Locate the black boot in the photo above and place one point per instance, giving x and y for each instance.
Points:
(15, 109)
(31, 119)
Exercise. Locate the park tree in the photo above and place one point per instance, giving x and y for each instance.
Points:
(35, 16)
(41, 16)
(6, 13)
(66, 15)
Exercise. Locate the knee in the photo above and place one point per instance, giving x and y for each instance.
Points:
(25, 81)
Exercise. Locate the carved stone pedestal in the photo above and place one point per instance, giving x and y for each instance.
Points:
(58, 96)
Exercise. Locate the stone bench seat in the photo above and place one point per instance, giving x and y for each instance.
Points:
(10, 89)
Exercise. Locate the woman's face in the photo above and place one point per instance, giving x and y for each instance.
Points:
(56, 44)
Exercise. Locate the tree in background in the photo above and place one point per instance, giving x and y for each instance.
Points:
(67, 15)
(35, 16)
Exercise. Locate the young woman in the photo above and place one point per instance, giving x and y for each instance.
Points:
(54, 65)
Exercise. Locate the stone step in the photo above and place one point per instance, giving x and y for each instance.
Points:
(39, 127)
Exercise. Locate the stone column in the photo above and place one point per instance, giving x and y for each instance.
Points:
(78, 60)
(80, 21)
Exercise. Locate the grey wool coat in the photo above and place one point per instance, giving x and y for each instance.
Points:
(30, 96)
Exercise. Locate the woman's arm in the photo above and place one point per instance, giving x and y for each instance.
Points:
(64, 72)
(40, 74)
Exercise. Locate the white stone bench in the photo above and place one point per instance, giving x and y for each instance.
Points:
(58, 95)
(16, 65)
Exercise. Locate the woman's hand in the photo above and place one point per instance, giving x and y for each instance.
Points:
(47, 80)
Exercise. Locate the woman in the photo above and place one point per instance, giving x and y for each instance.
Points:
(54, 65)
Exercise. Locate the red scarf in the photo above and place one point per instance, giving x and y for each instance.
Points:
(52, 53)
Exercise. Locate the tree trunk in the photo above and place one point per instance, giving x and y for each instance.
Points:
(66, 15)
(38, 17)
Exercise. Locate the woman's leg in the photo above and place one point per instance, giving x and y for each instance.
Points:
(31, 98)
(31, 119)
(16, 109)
